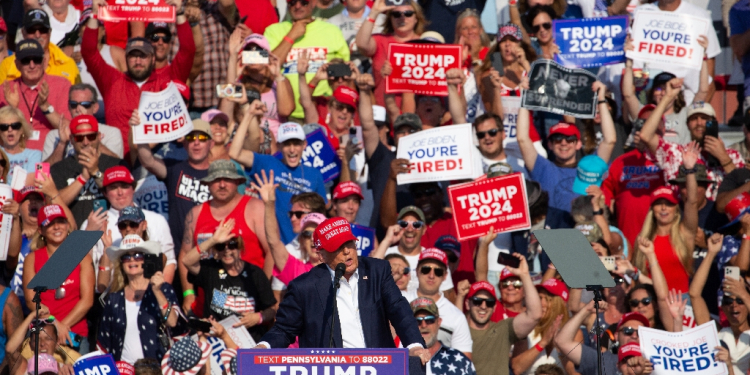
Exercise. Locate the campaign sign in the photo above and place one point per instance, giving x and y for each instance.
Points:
(137, 10)
(498, 202)
(420, 68)
(439, 154)
(365, 239)
(6, 221)
(676, 353)
(590, 42)
(164, 117)
(668, 39)
(317, 57)
(554, 88)
(323, 361)
(99, 365)
(320, 155)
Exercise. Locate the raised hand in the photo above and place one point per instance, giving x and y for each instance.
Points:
(11, 94)
(676, 304)
(303, 61)
(715, 242)
(690, 154)
(645, 245)
(223, 232)
(265, 186)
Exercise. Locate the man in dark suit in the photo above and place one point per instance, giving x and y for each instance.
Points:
(367, 300)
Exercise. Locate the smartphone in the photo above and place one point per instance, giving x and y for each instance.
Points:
(255, 57)
(199, 325)
(508, 260)
(609, 263)
(497, 62)
(151, 265)
(712, 128)
(356, 133)
(229, 91)
(100, 203)
(339, 70)
(252, 95)
(732, 272)
(75, 339)
(41, 168)
(243, 19)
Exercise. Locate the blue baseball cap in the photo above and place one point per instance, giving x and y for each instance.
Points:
(591, 171)
(449, 243)
(131, 213)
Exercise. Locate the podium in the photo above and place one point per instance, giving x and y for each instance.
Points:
(328, 362)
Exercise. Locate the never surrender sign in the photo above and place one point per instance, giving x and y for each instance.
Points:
(554, 88)
(676, 353)
(420, 68)
(323, 361)
(668, 39)
(499, 202)
(137, 10)
(591, 42)
(164, 115)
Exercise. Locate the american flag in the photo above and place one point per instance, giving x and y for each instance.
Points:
(237, 304)
(449, 361)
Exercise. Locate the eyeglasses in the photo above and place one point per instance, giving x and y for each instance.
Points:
(425, 270)
(491, 132)
(14, 126)
(231, 245)
(635, 303)
(399, 14)
(429, 319)
(518, 284)
(344, 107)
(129, 257)
(298, 214)
(629, 331)
(74, 104)
(558, 138)
(33, 30)
(727, 301)
(201, 137)
(91, 137)
(123, 225)
(546, 26)
(163, 38)
(414, 224)
(291, 3)
(27, 60)
(476, 301)
(307, 233)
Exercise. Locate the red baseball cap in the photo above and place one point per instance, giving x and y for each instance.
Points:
(633, 316)
(125, 368)
(482, 286)
(737, 207)
(555, 287)
(26, 191)
(626, 351)
(433, 254)
(346, 189)
(3, 26)
(506, 274)
(646, 108)
(347, 96)
(565, 129)
(664, 192)
(117, 174)
(49, 213)
(183, 89)
(332, 233)
(84, 124)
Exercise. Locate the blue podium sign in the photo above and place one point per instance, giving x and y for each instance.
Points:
(323, 361)
(99, 365)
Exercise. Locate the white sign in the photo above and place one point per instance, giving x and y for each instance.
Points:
(6, 221)
(439, 154)
(239, 335)
(164, 117)
(19, 178)
(688, 318)
(677, 353)
(668, 39)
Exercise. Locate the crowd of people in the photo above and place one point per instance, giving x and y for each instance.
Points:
(219, 223)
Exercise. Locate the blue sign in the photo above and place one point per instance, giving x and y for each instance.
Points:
(320, 155)
(365, 239)
(590, 42)
(323, 361)
(99, 365)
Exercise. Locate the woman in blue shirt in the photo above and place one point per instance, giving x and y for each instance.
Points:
(14, 131)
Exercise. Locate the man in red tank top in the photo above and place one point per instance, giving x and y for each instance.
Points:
(227, 203)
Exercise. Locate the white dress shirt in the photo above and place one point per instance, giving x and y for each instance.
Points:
(347, 303)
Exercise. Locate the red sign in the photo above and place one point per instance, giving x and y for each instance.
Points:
(498, 202)
(420, 68)
(137, 10)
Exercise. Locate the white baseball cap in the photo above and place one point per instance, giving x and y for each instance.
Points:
(290, 130)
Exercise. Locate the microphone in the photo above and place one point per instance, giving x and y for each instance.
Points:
(338, 273)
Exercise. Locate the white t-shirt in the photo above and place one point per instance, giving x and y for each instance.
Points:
(59, 29)
(454, 330)
(132, 350)
(517, 164)
(111, 139)
(414, 282)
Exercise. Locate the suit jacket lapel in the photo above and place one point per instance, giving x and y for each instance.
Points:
(364, 305)
(324, 285)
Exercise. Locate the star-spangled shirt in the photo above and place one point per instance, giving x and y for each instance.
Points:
(449, 361)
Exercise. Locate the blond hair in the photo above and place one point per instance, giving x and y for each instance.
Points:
(467, 13)
(683, 250)
(555, 307)
(8, 111)
(418, 27)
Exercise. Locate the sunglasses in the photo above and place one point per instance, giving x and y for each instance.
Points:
(557, 138)
(14, 126)
(91, 137)
(399, 14)
(491, 132)
(727, 301)
(163, 38)
(405, 271)
(476, 301)
(231, 245)
(635, 303)
(27, 60)
(629, 331)
(425, 270)
(414, 224)
(201, 137)
(291, 3)
(429, 319)
(546, 26)
(125, 224)
(343, 107)
(298, 214)
(129, 257)
(74, 104)
(307, 233)
(518, 284)
(33, 30)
